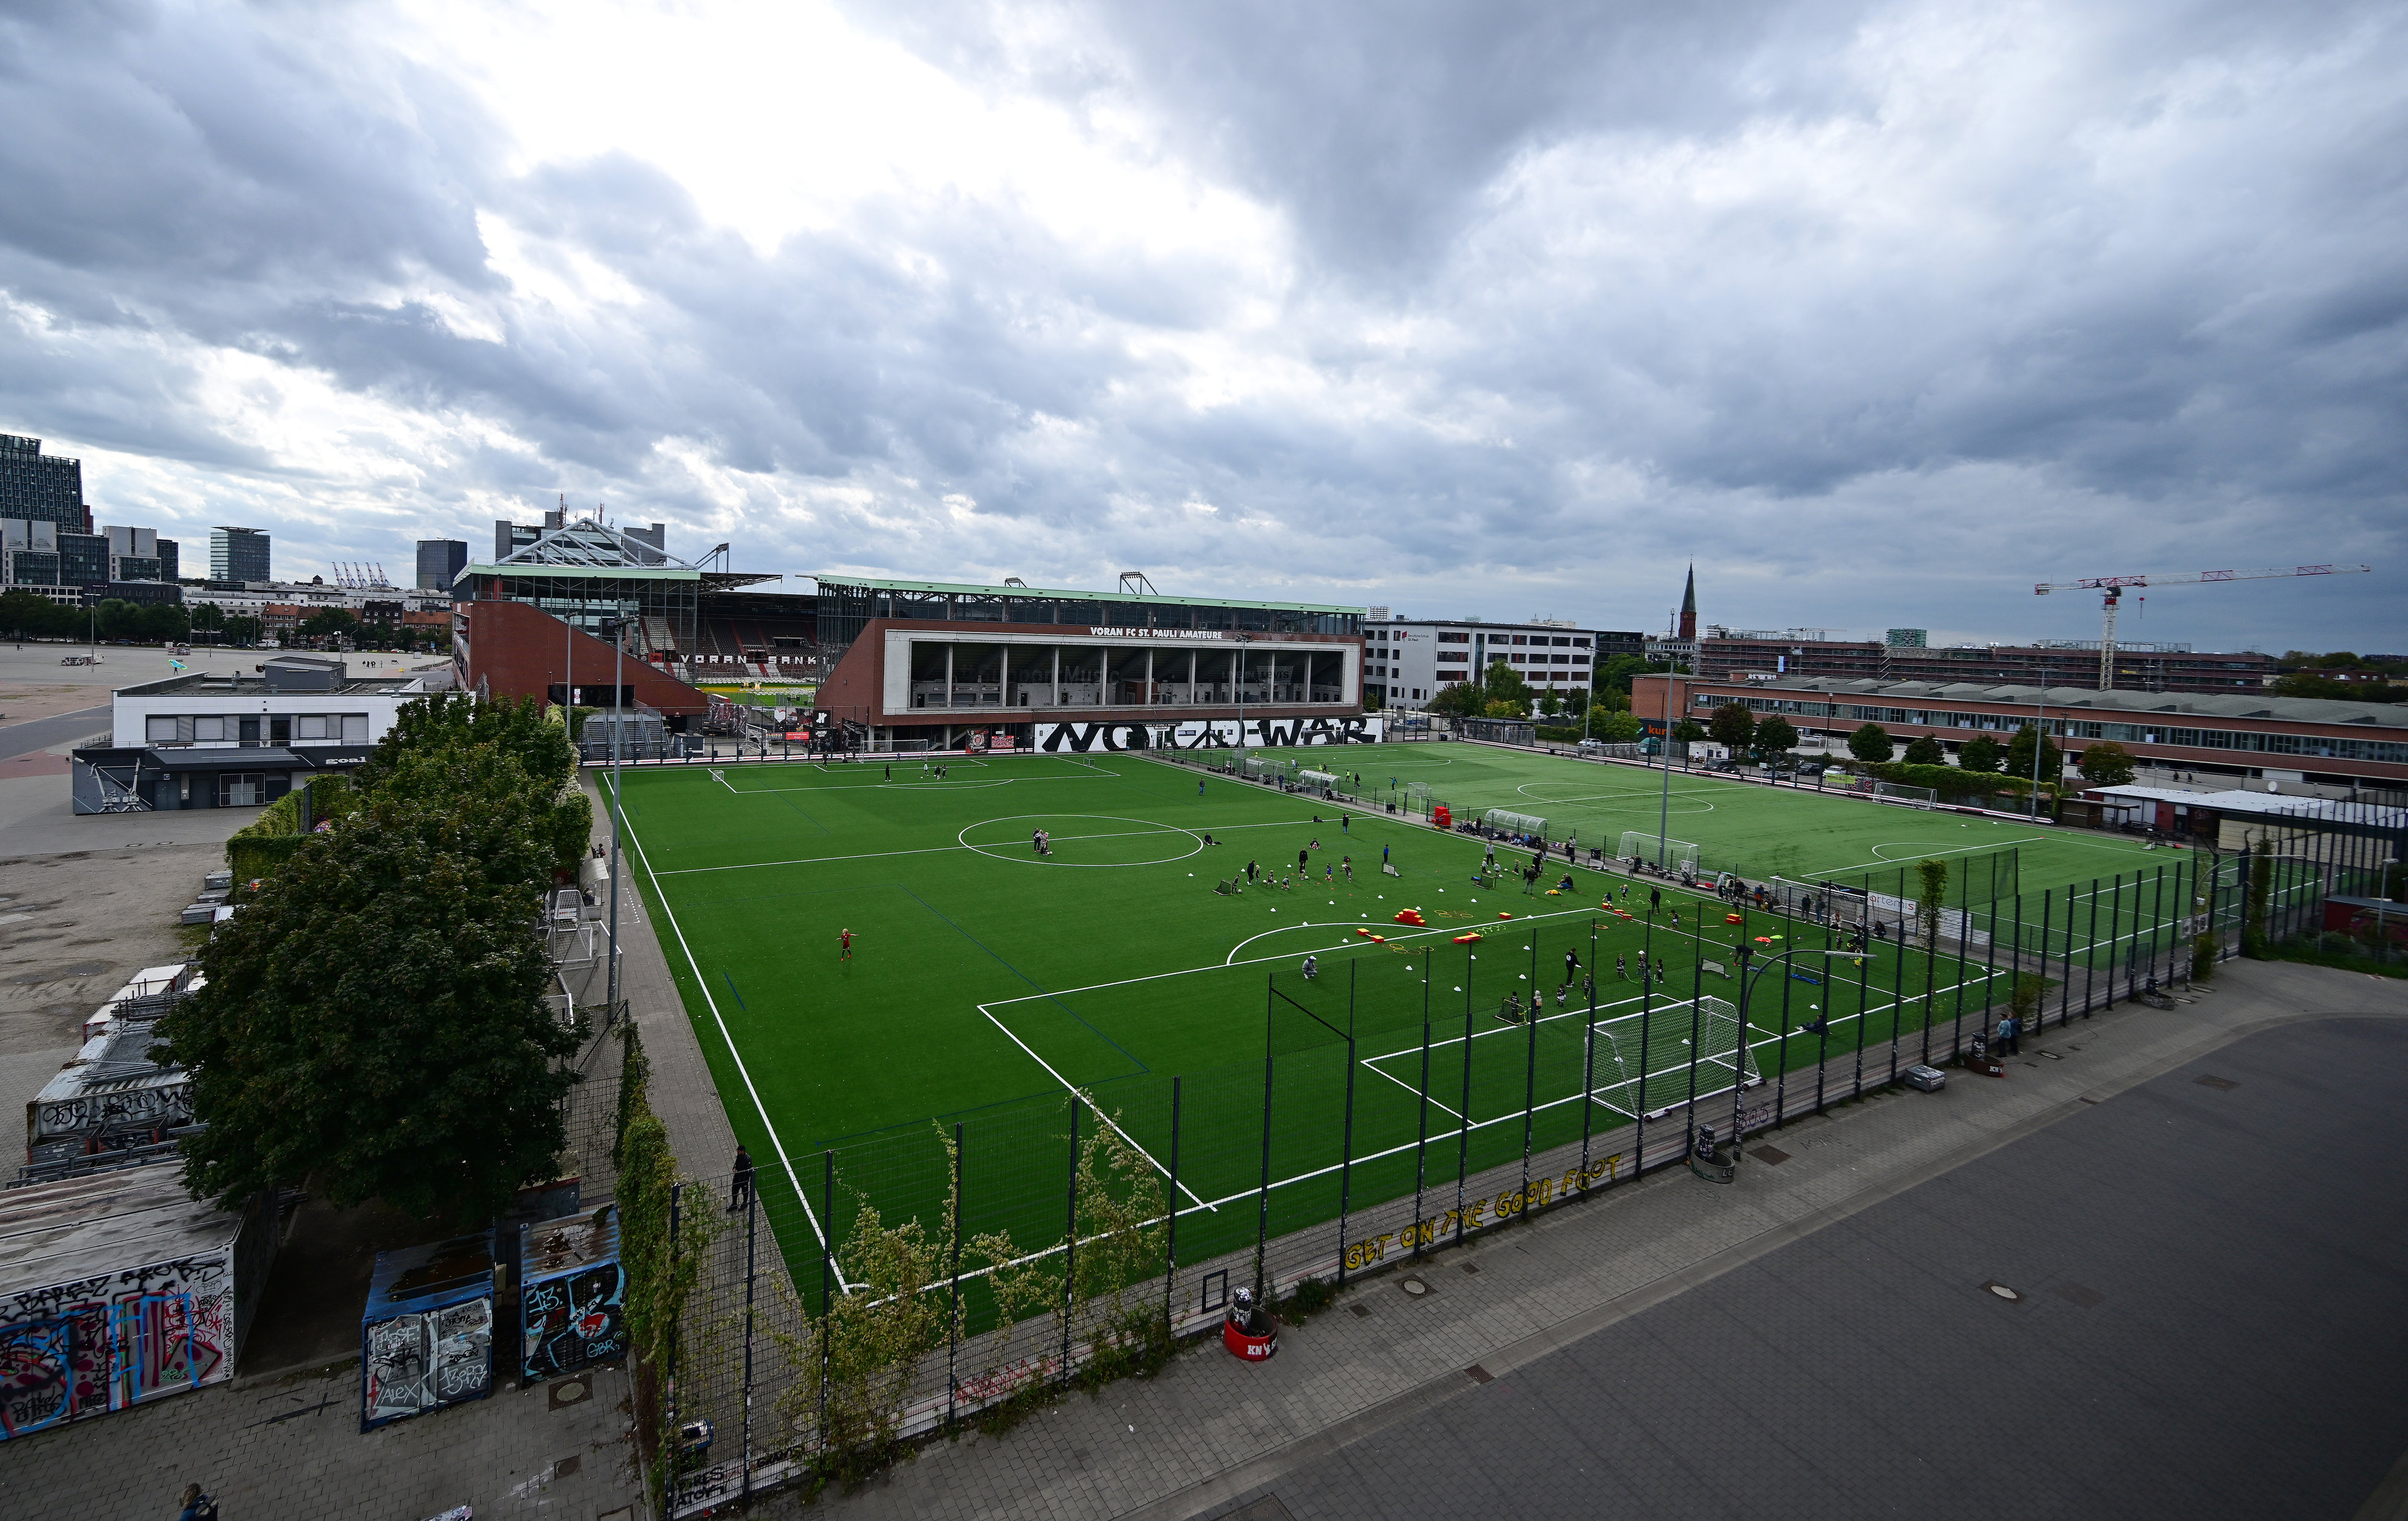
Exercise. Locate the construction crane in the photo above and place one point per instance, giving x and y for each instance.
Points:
(2115, 586)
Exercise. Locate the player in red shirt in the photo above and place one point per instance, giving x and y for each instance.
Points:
(844, 940)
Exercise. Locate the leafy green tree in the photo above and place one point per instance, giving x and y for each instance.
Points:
(2019, 755)
(374, 1018)
(1550, 704)
(1505, 685)
(1733, 725)
(447, 720)
(1460, 699)
(1614, 675)
(242, 629)
(2107, 763)
(1617, 728)
(1775, 737)
(1688, 731)
(30, 615)
(1870, 743)
(330, 623)
(1923, 750)
(1980, 753)
(1506, 707)
(209, 616)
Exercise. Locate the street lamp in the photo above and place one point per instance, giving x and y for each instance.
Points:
(2039, 737)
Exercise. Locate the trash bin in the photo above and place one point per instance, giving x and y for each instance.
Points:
(1248, 1331)
(1929, 1079)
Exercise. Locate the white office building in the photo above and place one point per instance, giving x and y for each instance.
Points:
(1410, 660)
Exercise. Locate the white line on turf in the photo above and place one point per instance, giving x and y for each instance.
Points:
(704, 984)
(1076, 1094)
(942, 850)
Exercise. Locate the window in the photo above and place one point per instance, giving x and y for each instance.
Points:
(1564, 640)
(245, 789)
(159, 729)
(355, 728)
(1520, 638)
(313, 726)
(1580, 644)
(1454, 638)
(207, 727)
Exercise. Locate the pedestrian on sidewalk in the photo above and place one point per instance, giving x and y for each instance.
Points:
(197, 1506)
(739, 1192)
(2010, 1031)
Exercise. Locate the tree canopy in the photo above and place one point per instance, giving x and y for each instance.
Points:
(2107, 763)
(2019, 755)
(1980, 753)
(374, 1018)
(1923, 750)
(1775, 737)
(1734, 725)
(1870, 743)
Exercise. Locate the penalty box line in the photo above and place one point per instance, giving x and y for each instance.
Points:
(759, 1108)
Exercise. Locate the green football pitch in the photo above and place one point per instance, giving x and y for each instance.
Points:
(985, 982)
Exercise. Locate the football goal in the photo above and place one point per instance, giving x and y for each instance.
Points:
(1679, 856)
(1643, 1061)
(1504, 821)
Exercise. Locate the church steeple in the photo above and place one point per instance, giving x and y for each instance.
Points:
(1689, 607)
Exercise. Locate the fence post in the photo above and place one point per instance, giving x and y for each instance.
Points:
(2115, 913)
(2065, 965)
(954, 1320)
(1421, 1125)
(1463, 1131)
(2047, 908)
(2158, 922)
(2090, 957)
(1964, 967)
(1070, 1243)
(1863, 1003)
(1588, 1054)
(671, 1485)
(1170, 1241)
(1646, 992)
(751, 1216)
(1263, 1212)
(1697, 1034)
(1346, 1135)
(1897, 998)
(1531, 1075)
(827, 1267)
(1781, 1056)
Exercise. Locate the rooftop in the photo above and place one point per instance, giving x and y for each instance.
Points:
(947, 588)
(208, 684)
(2196, 705)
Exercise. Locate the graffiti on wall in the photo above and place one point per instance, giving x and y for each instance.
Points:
(573, 1320)
(418, 1361)
(1208, 734)
(104, 1342)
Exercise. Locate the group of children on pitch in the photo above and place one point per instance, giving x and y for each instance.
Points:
(1332, 872)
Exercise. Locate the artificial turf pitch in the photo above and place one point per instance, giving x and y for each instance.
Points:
(985, 982)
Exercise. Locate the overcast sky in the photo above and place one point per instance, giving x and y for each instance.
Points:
(1880, 312)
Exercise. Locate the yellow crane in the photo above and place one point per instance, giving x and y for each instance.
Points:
(2115, 586)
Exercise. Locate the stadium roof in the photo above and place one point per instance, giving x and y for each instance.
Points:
(723, 580)
(946, 588)
(2199, 705)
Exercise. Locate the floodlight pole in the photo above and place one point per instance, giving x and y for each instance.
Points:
(1243, 639)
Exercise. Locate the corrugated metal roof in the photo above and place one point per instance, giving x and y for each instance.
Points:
(949, 588)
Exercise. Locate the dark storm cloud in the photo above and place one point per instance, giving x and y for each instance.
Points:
(1883, 312)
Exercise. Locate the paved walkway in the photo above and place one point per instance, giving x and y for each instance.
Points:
(1210, 1435)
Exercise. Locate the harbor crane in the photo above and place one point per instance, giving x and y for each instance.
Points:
(2115, 586)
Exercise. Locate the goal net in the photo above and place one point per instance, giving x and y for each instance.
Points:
(1643, 1060)
(1505, 821)
(1680, 855)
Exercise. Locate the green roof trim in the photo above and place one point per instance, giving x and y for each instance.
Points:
(949, 588)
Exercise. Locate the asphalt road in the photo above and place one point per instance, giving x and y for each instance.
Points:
(42, 733)
(2208, 1323)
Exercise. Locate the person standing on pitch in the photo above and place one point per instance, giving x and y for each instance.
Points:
(1199, 786)
(739, 1192)
(1345, 822)
(1572, 967)
(844, 944)
(1303, 862)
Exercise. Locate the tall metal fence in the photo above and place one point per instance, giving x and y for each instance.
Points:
(903, 1283)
